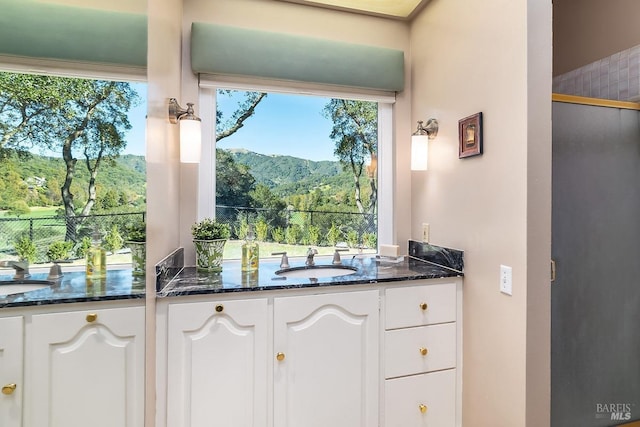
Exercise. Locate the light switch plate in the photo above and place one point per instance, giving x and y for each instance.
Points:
(506, 280)
(425, 232)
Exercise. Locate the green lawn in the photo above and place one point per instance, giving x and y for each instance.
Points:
(36, 212)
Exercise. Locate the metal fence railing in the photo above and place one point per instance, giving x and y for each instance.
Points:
(302, 227)
(46, 230)
(281, 226)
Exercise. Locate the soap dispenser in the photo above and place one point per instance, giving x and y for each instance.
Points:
(250, 251)
(96, 267)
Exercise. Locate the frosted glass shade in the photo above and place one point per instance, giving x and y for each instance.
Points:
(419, 152)
(190, 141)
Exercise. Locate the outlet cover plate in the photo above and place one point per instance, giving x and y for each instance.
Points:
(506, 280)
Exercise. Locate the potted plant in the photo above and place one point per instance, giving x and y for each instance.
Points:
(209, 238)
(136, 240)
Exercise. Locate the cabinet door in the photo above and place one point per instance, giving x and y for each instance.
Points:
(217, 364)
(11, 342)
(421, 400)
(85, 368)
(326, 363)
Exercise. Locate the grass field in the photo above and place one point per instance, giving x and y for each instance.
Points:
(36, 212)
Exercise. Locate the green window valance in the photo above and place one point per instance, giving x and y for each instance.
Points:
(217, 49)
(44, 30)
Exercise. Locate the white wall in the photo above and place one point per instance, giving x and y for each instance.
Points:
(163, 77)
(491, 57)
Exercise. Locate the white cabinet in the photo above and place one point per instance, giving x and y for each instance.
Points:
(217, 364)
(11, 350)
(313, 357)
(422, 352)
(326, 369)
(295, 361)
(85, 368)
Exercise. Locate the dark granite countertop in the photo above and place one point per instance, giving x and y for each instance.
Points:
(369, 270)
(73, 287)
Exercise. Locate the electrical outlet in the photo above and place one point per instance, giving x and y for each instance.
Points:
(425, 232)
(506, 280)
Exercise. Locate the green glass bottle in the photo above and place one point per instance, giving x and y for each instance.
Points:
(96, 258)
(250, 251)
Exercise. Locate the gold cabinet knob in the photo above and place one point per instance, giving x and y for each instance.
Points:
(280, 357)
(423, 306)
(423, 408)
(92, 317)
(219, 308)
(423, 351)
(8, 389)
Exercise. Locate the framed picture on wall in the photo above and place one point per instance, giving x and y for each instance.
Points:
(470, 136)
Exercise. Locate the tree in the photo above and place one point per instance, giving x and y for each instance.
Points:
(233, 181)
(246, 107)
(12, 187)
(25, 98)
(355, 132)
(75, 117)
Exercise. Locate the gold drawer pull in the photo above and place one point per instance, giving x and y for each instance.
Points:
(423, 351)
(219, 308)
(423, 408)
(92, 317)
(9, 389)
(424, 306)
(280, 357)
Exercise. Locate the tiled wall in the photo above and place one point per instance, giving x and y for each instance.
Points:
(616, 77)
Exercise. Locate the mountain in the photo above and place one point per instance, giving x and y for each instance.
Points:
(125, 175)
(280, 172)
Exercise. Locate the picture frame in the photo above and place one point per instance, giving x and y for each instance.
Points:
(470, 136)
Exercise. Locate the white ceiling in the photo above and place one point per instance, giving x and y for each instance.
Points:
(398, 9)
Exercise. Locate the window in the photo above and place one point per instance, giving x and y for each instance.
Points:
(71, 162)
(303, 169)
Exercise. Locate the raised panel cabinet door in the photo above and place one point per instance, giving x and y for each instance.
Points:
(426, 400)
(217, 364)
(11, 350)
(326, 363)
(85, 368)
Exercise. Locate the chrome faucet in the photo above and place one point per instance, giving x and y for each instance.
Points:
(336, 256)
(284, 262)
(310, 253)
(21, 268)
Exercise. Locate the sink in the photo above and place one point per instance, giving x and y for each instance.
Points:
(19, 286)
(316, 271)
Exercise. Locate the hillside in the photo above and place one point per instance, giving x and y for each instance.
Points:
(289, 175)
(44, 175)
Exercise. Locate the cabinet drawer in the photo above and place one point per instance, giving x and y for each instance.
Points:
(422, 349)
(421, 400)
(420, 305)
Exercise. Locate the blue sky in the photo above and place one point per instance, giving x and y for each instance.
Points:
(282, 124)
(138, 118)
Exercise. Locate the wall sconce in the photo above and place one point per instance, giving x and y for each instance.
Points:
(420, 144)
(190, 132)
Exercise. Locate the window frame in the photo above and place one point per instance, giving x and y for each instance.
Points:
(206, 203)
